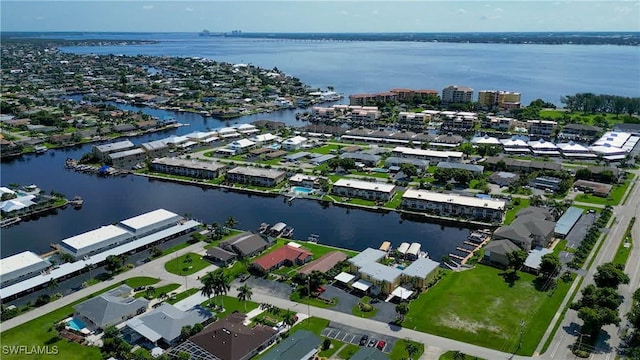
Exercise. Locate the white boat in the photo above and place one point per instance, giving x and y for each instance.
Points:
(314, 238)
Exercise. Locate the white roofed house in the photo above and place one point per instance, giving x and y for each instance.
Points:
(247, 129)
(515, 144)
(615, 146)
(573, 150)
(542, 147)
(305, 180)
(453, 205)
(241, 145)
(228, 133)
(94, 241)
(21, 266)
(363, 189)
(152, 221)
(294, 143)
(263, 139)
(432, 156)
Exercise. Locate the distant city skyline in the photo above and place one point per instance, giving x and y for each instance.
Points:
(320, 16)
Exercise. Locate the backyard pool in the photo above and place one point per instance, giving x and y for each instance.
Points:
(380, 170)
(76, 324)
(301, 190)
(275, 146)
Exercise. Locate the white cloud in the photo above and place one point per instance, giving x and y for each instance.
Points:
(188, 9)
(147, 7)
(461, 11)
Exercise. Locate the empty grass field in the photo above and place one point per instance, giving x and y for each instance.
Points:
(479, 307)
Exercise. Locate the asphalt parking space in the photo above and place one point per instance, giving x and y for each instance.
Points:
(351, 335)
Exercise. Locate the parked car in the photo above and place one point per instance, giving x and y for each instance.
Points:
(363, 340)
(244, 277)
(372, 343)
(374, 301)
(381, 345)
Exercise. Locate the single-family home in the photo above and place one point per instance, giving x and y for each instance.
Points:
(286, 255)
(110, 308)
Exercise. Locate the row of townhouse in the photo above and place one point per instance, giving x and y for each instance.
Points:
(432, 156)
(454, 205)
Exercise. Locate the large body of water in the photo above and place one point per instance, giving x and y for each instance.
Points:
(538, 71)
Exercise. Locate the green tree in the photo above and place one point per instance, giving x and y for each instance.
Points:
(402, 309)
(411, 348)
(113, 263)
(52, 285)
(550, 265)
(409, 169)
(220, 284)
(610, 275)
(150, 292)
(230, 223)
(516, 259)
(208, 284)
(244, 294)
(289, 318)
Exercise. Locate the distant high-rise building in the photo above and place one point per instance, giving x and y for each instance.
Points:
(457, 94)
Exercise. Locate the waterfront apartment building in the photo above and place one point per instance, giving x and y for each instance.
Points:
(543, 128)
(127, 159)
(191, 168)
(101, 152)
(457, 94)
(21, 266)
(255, 176)
(502, 123)
(499, 98)
(411, 118)
(433, 156)
(453, 205)
(363, 189)
(412, 95)
(367, 99)
(154, 149)
(461, 121)
(365, 114)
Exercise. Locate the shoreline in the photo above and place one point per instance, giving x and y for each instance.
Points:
(405, 214)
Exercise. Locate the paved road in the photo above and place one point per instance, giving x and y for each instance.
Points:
(568, 332)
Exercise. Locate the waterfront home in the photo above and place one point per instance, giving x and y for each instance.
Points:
(163, 325)
(287, 255)
(454, 205)
(363, 189)
(497, 252)
(102, 151)
(228, 133)
(241, 146)
(432, 156)
(264, 139)
(294, 143)
(127, 159)
(304, 180)
(300, 345)
(532, 228)
(21, 266)
(191, 168)
(227, 339)
(110, 308)
(245, 244)
(325, 263)
(255, 176)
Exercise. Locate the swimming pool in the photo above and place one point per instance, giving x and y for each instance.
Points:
(275, 146)
(380, 170)
(76, 324)
(301, 190)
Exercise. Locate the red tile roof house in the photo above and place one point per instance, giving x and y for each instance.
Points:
(286, 255)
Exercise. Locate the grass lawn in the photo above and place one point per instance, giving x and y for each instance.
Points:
(487, 315)
(167, 289)
(295, 296)
(183, 295)
(326, 149)
(348, 351)
(313, 324)
(365, 314)
(451, 355)
(231, 304)
(229, 235)
(317, 249)
(180, 265)
(511, 213)
(395, 200)
(335, 345)
(40, 331)
(399, 353)
(364, 202)
(578, 116)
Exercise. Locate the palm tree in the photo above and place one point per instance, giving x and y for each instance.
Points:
(230, 223)
(288, 318)
(207, 288)
(411, 348)
(220, 284)
(90, 267)
(52, 284)
(244, 294)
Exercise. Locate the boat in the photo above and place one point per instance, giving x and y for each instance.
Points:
(41, 149)
(77, 202)
(264, 227)
(287, 232)
(314, 238)
(277, 229)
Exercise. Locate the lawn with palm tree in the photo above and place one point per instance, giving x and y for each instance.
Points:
(186, 264)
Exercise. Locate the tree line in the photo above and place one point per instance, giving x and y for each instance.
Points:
(602, 103)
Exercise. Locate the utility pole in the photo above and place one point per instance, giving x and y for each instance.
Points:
(308, 295)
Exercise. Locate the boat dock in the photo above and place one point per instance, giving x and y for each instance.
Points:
(467, 249)
(103, 170)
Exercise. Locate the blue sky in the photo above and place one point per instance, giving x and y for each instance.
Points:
(320, 16)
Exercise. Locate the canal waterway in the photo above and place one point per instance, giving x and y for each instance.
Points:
(350, 67)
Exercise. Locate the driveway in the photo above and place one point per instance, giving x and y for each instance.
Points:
(579, 230)
(346, 301)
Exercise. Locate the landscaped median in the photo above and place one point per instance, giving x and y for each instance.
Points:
(186, 264)
(482, 308)
(41, 331)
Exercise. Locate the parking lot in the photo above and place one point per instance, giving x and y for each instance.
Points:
(352, 335)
